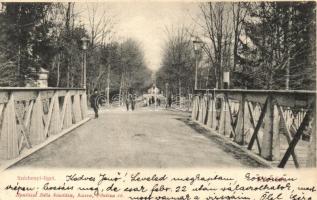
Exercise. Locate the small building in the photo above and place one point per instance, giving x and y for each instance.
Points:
(153, 96)
(153, 90)
(38, 78)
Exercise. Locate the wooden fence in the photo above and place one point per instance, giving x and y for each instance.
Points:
(270, 123)
(28, 116)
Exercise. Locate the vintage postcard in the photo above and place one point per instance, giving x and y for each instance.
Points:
(158, 100)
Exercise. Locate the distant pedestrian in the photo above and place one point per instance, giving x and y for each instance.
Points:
(153, 100)
(144, 102)
(94, 103)
(133, 99)
(169, 99)
(127, 101)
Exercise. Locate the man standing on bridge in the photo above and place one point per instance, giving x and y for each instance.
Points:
(128, 100)
(94, 103)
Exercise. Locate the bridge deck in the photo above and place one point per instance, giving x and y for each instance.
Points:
(142, 138)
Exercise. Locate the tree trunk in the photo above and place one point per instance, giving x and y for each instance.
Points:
(67, 73)
(180, 90)
(71, 73)
(108, 84)
(67, 33)
(58, 69)
(120, 90)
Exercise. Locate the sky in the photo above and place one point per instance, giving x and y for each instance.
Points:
(145, 22)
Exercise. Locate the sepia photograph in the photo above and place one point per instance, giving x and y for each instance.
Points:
(165, 85)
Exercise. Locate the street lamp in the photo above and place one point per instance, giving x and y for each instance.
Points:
(84, 41)
(155, 96)
(197, 47)
(166, 94)
(108, 75)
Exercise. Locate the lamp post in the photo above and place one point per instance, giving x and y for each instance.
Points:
(197, 46)
(155, 96)
(166, 94)
(108, 76)
(84, 41)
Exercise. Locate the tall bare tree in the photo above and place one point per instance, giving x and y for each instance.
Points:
(217, 34)
(239, 14)
(100, 26)
(178, 61)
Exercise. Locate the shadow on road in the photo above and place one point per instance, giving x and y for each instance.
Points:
(223, 144)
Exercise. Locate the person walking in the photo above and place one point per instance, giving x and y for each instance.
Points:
(127, 102)
(94, 103)
(153, 100)
(133, 99)
(169, 100)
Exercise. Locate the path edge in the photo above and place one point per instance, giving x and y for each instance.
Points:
(248, 152)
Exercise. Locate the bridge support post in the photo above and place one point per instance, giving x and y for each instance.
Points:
(248, 126)
(201, 109)
(270, 141)
(311, 161)
(204, 109)
(239, 137)
(76, 109)
(214, 114)
(227, 119)
(9, 138)
(55, 126)
(49, 122)
(37, 134)
(67, 112)
(276, 134)
(210, 112)
(221, 122)
(195, 108)
(198, 108)
(267, 139)
(83, 105)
